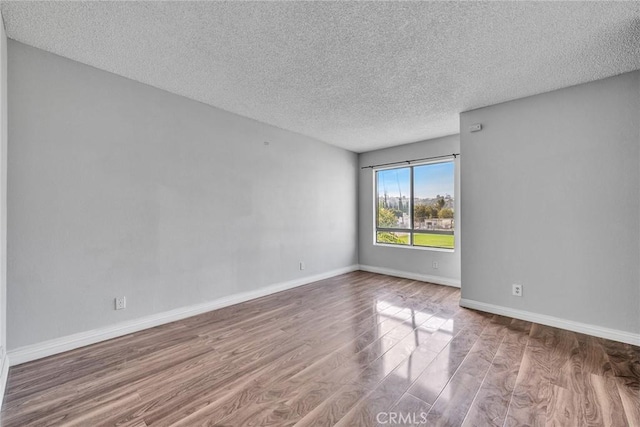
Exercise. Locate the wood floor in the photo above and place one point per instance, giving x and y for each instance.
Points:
(356, 350)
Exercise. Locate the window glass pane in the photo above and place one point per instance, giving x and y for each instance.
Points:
(394, 195)
(444, 240)
(392, 237)
(433, 198)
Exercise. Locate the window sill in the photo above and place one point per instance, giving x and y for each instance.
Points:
(420, 248)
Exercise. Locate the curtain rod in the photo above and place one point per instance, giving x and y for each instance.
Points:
(408, 162)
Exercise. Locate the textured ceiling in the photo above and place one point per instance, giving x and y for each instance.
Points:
(359, 75)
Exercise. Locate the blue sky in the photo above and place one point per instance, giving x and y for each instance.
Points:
(430, 180)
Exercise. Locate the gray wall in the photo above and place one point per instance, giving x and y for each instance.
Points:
(407, 260)
(3, 191)
(118, 188)
(552, 200)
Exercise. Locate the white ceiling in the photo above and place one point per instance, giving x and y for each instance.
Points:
(359, 75)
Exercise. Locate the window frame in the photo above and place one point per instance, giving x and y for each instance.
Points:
(410, 231)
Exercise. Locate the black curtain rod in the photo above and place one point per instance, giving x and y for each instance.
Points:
(408, 162)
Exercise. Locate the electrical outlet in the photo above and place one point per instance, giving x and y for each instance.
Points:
(121, 303)
(301, 265)
(516, 290)
(435, 265)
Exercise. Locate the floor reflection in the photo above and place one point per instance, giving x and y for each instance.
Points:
(409, 341)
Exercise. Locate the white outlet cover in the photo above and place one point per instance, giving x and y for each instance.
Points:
(516, 290)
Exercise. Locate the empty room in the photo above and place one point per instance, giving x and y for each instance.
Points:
(318, 213)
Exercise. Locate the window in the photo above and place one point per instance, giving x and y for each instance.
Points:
(415, 205)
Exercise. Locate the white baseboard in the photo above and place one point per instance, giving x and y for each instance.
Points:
(70, 342)
(439, 280)
(4, 373)
(543, 319)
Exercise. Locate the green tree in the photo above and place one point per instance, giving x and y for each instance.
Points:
(387, 218)
(387, 237)
(432, 211)
(421, 212)
(445, 213)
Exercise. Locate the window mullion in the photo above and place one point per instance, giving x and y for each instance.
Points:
(375, 226)
(411, 206)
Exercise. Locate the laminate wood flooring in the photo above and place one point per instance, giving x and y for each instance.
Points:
(359, 349)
